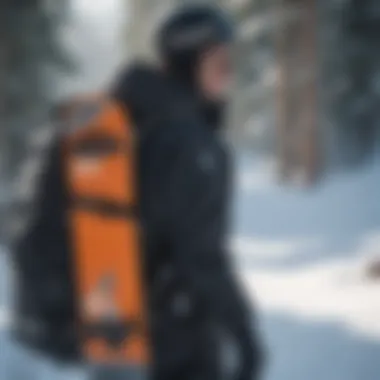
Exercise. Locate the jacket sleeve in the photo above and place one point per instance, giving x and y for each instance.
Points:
(193, 222)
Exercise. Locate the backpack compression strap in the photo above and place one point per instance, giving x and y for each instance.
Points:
(100, 174)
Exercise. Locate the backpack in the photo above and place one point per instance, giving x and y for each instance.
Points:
(103, 234)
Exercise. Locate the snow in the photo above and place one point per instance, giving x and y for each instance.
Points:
(305, 253)
(302, 256)
(335, 291)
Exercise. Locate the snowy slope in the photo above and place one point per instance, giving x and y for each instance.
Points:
(306, 253)
(302, 256)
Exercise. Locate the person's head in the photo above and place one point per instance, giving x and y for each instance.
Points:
(195, 44)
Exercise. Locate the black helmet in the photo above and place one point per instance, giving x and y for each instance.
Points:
(190, 31)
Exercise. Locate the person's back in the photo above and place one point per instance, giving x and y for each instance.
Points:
(183, 171)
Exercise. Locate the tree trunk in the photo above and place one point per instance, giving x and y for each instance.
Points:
(297, 137)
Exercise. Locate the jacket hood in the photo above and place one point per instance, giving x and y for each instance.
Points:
(147, 93)
(152, 96)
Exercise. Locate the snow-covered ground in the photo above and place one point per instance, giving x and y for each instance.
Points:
(302, 255)
(315, 246)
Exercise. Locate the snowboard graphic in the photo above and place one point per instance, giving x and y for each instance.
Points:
(105, 233)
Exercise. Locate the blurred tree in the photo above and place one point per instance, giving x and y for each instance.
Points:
(252, 117)
(351, 85)
(320, 60)
(30, 55)
(298, 73)
(143, 18)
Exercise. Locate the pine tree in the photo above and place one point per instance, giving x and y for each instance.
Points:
(351, 80)
(31, 55)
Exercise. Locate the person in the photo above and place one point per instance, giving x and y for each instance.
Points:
(184, 181)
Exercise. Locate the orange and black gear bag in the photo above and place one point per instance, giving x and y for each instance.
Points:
(99, 172)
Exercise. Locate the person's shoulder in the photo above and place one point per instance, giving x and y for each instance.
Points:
(134, 80)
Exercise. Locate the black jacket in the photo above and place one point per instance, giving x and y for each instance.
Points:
(183, 178)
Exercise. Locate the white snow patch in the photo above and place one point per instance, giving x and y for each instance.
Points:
(371, 245)
(259, 177)
(334, 291)
(269, 249)
(5, 319)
